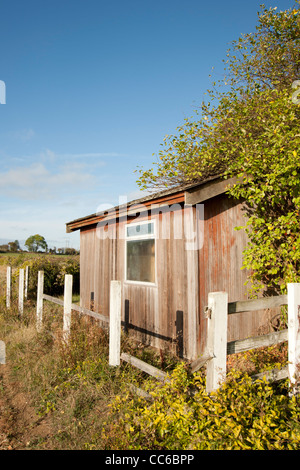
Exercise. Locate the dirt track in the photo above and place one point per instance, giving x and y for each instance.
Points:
(20, 427)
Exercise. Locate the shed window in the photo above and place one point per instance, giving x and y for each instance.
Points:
(140, 252)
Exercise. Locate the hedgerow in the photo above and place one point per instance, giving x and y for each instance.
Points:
(54, 272)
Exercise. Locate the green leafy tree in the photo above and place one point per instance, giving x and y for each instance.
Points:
(14, 246)
(250, 130)
(35, 242)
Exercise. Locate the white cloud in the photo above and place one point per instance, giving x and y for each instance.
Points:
(94, 155)
(23, 134)
(36, 181)
(39, 193)
(49, 155)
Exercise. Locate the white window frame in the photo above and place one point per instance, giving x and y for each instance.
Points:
(150, 236)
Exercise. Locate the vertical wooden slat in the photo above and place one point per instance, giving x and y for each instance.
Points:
(126, 316)
(115, 323)
(92, 301)
(39, 303)
(217, 339)
(293, 332)
(179, 333)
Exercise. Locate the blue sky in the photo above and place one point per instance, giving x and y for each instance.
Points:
(92, 88)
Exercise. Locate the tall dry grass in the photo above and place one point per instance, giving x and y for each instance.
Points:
(70, 383)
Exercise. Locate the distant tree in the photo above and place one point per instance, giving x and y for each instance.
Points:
(4, 248)
(35, 242)
(70, 251)
(14, 246)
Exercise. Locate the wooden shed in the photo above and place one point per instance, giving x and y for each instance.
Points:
(169, 250)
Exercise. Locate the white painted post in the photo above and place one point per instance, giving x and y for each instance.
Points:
(26, 282)
(293, 290)
(115, 323)
(39, 302)
(217, 339)
(21, 291)
(2, 352)
(67, 306)
(8, 286)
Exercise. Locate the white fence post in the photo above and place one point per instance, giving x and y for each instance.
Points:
(67, 306)
(2, 352)
(8, 286)
(26, 281)
(39, 302)
(217, 339)
(293, 290)
(115, 323)
(21, 291)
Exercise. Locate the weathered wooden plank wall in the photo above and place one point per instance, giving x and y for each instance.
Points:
(152, 309)
(220, 263)
(184, 277)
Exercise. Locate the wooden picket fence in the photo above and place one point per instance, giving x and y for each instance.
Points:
(217, 312)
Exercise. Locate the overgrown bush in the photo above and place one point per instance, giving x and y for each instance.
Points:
(241, 415)
(54, 271)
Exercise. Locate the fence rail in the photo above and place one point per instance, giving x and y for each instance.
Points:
(151, 370)
(256, 304)
(217, 311)
(55, 300)
(257, 341)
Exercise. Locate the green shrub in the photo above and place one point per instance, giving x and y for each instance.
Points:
(241, 415)
(54, 271)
